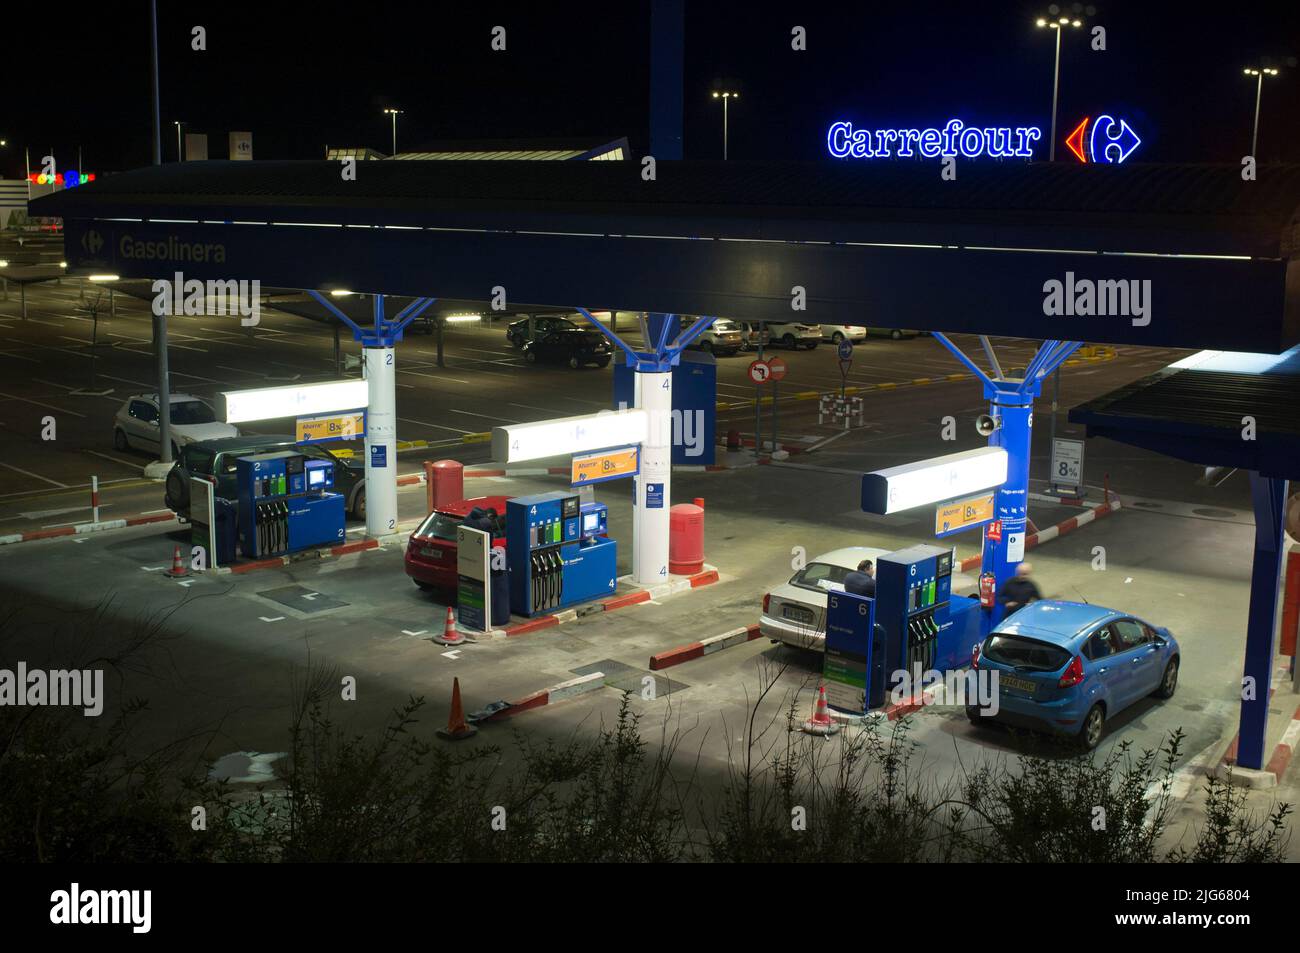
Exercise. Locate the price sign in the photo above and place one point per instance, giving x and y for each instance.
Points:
(1067, 464)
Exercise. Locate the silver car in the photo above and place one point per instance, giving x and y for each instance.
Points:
(136, 423)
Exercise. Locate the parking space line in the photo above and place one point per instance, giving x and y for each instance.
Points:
(35, 476)
(37, 403)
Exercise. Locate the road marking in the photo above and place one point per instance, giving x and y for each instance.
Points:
(153, 568)
(454, 654)
(470, 413)
(39, 404)
(415, 633)
(18, 357)
(36, 476)
(185, 582)
(118, 460)
(310, 596)
(278, 618)
(423, 423)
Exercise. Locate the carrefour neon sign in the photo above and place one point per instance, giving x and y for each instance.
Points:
(1110, 140)
(66, 179)
(955, 138)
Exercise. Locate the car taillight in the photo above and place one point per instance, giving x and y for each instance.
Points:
(767, 598)
(975, 655)
(1073, 673)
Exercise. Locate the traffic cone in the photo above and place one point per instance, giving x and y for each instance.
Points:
(821, 722)
(457, 728)
(449, 634)
(179, 569)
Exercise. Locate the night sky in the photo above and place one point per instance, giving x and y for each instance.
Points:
(300, 76)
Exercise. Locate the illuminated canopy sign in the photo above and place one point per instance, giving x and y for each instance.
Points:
(845, 142)
(67, 179)
(552, 438)
(933, 481)
(296, 400)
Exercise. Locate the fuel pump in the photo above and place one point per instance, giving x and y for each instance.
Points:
(286, 503)
(558, 551)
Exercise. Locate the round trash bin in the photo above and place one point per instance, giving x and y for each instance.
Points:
(444, 482)
(685, 539)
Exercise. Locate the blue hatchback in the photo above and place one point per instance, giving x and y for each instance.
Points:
(1068, 666)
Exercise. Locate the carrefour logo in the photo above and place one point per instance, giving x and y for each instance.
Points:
(1109, 141)
(92, 242)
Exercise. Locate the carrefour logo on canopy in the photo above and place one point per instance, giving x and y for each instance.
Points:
(954, 138)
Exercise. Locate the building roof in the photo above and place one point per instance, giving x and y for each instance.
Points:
(1212, 408)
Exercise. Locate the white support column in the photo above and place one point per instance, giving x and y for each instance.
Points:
(653, 497)
(381, 441)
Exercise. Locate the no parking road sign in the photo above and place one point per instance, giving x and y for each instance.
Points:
(760, 372)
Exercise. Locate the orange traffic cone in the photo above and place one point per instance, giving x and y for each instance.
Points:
(821, 722)
(178, 570)
(450, 636)
(457, 728)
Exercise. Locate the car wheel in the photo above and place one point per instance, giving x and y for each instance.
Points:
(574, 362)
(119, 440)
(974, 716)
(1169, 682)
(837, 337)
(424, 586)
(516, 341)
(530, 357)
(812, 346)
(359, 504)
(706, 347)
(1094, 723)
(896, 334)
(788, 341)
(603, 363)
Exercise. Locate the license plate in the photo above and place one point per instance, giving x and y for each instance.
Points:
(796, 614)
(1019, 684)
(431, 552)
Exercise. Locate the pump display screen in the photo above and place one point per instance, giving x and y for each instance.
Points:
(590, 523)
(316, 477)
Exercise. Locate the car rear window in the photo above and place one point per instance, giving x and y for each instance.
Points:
(197, 459)
(820, 576)
(439, 526)
(192, 412)
(1022, 653)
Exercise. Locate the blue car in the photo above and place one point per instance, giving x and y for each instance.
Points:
(1069, 666)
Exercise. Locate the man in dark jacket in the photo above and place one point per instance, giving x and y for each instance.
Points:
(1019, 590)
(862, 581)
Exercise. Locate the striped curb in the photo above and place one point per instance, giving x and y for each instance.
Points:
(706, 578)
(81, 529)
(549, 696)
(694, 650)
(1052, 532)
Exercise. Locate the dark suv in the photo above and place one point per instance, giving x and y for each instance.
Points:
(574, 347)
(215, 461)
(517, 331)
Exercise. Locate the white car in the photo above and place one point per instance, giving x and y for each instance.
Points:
(795, 612)
(136, 423)
(843, 332)
(795, 334)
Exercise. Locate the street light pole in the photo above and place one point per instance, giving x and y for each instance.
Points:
(394, 113)
(726, 98)
(1259, 90)
(180, 156)
(153, 60)
(1058, 24)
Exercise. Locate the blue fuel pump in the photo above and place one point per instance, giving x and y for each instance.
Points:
(285, 504)
(558, 552)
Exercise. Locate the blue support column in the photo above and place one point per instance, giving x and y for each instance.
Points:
(1269, 498)
(1011, 402)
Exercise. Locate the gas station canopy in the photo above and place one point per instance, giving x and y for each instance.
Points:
(890, 244)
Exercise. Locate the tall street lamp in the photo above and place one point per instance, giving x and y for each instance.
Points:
(1259, 75)
(726, 96)
(180, 156)
(394, 113)
(1058, 24)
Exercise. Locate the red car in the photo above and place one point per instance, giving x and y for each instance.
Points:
(431, 550)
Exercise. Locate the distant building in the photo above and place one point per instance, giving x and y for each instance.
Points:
(529, 149)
